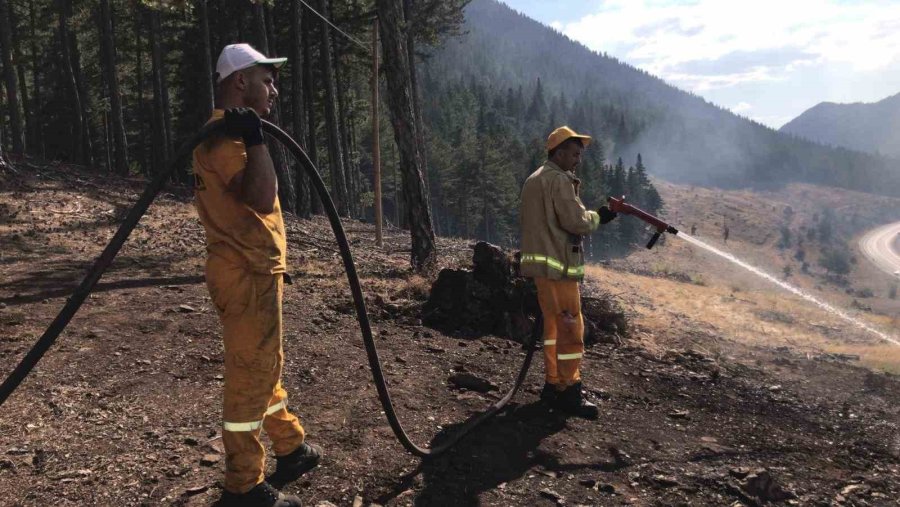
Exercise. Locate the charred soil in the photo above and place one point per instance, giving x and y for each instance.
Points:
(124, 409)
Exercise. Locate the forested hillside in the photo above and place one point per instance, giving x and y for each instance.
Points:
(874, 128)
(682, 137)
(119, 85)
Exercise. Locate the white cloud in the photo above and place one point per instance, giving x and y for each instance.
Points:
(710, 44)
(741, 107)
(556, 25)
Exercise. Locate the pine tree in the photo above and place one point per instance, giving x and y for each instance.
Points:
(537, 111)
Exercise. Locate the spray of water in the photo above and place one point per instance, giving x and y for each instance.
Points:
(790, 288)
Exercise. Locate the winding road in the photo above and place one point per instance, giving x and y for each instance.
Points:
(882, 247)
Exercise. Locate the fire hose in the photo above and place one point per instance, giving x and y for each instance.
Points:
(140, 207)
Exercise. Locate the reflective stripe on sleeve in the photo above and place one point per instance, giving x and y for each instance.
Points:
(567, 357)
(576, 271)
(241, 427)
(549, 342)
(595, 219)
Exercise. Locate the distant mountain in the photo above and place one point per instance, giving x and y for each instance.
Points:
(682, 137)
(874, 128)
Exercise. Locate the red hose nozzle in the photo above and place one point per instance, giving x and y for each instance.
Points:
(620, 206)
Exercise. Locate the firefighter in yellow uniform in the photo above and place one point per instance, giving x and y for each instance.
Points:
(237, 200)
(553, 222)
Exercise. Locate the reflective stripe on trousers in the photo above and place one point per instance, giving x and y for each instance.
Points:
(255, 425)
(560, 303)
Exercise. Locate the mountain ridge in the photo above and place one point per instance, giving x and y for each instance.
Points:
(872, 127)
(683, 137)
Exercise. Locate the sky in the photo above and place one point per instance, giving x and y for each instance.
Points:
(768, 60)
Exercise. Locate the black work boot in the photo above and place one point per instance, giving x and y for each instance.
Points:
(262, 495)
(549, 393)
(289, 468)
(572, 402)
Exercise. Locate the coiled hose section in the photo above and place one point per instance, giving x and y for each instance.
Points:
(134, 215)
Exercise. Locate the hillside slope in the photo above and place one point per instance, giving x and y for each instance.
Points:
(682, 137)
(874, 127)
(125, 409)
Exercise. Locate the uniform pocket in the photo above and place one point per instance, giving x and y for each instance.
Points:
(229, 287)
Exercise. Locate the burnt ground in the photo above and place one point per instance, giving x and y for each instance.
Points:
(124, 409)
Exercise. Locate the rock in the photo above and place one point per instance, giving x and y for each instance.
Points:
(850, 488)
(760, 484)
(72, 474)
(209, 460)
(186, 309)
(357, 501)
(471, 382)
(607, 488)
(679, 414)
(739, 473)
(621, 458)
(588, 483)
(195, 490)
(325, 503)
(191, 441)
(553, 495)
(665, 481)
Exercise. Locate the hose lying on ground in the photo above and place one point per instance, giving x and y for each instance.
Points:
(137, 211)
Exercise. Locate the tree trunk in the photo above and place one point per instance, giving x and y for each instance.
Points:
(37, 123)
(69, 78)
(108, 56)
(343, 126)
(23, 83)
(397, 69)
(409, 10)
(309, 98)
(335, 155)
(81, 83)
(4, 164)
(160, 148)
(261, 40)
(146, 165)
(9, 76)
(301, 184)
(208, 70)
(286, 190)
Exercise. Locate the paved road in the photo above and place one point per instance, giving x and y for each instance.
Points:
(882, 247)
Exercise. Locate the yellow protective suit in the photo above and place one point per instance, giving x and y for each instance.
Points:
(244, 273)
(560, 302)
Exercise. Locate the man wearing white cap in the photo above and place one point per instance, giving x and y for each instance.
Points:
(553, 221)
(236, 193)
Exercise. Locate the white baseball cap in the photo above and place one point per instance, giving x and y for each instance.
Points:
(235, 57)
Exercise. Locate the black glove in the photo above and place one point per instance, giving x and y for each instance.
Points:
(243, 122)
(606, 215)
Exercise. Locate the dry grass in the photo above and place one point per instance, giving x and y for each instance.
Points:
(753, 316)
(415, 287)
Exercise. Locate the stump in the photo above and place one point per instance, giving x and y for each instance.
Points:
(492, 299)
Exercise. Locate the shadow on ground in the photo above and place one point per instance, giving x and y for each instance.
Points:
(502, 450)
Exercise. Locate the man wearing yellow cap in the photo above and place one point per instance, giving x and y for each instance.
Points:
(553, 222)
(237, 199)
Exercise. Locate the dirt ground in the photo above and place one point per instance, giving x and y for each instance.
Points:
(124, 409)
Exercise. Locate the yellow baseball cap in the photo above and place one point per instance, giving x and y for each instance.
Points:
(560, 135)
